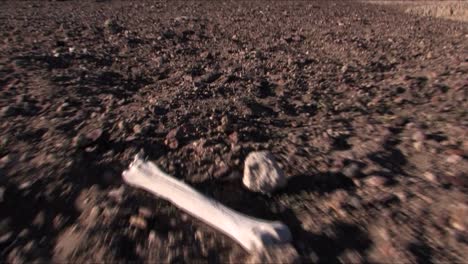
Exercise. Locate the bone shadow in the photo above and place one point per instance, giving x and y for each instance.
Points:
(323, 248)
(321, 182)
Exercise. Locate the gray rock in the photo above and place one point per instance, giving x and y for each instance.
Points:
(262, 173)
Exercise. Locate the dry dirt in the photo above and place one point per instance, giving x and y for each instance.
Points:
(445, 9)
(363, 105)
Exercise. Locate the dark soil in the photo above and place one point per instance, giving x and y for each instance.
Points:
(365, 108)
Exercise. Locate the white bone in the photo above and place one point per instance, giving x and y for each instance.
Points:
(251, 233)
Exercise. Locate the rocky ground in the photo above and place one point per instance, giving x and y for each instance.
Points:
(363, 106)
(446, 9)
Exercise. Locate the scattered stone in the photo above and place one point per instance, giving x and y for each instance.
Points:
(234, 137)
(39, 220)
(94, 135)
(276, 254)
(152, 237)
(174, 133)
(262, 173)
(418, 136)
(5, 237)
(225, 124)
(172, 138)
(80, 141)
(23, 233)
(430, 177)
(7, 111)
(352, 170)
(5, 161)
(376, 181)
(63, 107)
(172, 143)
(138, 222)
(418, 145)
(121, 125)
(25, 185)
(454, 158)
(137, 129)
(116, 194)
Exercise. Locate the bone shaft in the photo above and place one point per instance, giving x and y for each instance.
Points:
(196, 204)
(230, 222)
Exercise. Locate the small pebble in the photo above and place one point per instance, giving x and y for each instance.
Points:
(5, 161)
(352, 170)
(116, 194)
(39, 220)
(138, 222)
(94, 134)
(23, 233)
(5, 237)
(430, 176)
(80, 141)
(454, 158)
(7, 111)
(25, 185)
(137, 129)
(418, 136)
(418, 145)
(376, 181)
(152, 237)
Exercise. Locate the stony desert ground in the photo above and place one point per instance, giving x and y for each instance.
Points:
(445, 9)
(364, 107)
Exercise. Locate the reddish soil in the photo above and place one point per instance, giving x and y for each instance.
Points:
(364, 107)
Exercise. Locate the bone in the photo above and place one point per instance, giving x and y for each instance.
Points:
(253, 234)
